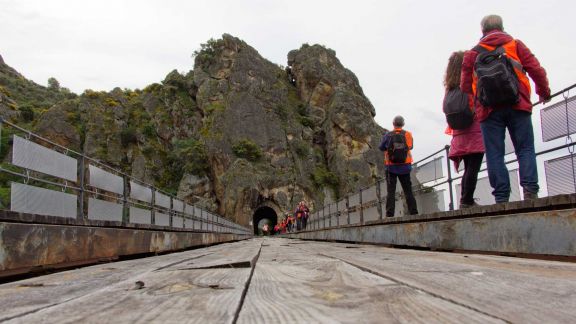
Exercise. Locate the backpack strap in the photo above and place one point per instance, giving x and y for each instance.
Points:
(480, 49)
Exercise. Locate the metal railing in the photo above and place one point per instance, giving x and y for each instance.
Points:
(368, 203)
(45, 178)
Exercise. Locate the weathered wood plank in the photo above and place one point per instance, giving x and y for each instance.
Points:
(517, 290)
(291, 285)
(172, 289)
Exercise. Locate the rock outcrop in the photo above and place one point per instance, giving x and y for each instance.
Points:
(343, 114)
(234, 134)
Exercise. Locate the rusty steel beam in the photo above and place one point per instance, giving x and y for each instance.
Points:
(25, 247)
(537, 233)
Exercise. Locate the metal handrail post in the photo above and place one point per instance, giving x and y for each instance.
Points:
(450, 191)
(329, 216)
(171, 213)
(152, 209)
(81, 193)
(361, 207)
(348, 210)
(379, 200)
(125, 193)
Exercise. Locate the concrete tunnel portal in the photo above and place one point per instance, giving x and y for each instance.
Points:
(264, 215)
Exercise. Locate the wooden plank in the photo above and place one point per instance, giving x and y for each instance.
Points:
(173, 289)
(517, 290)
(292, 285)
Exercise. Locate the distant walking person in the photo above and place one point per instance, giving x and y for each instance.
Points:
(463, 125)
(397, 145)
(300, 213)
(305, 213)
(494, 72)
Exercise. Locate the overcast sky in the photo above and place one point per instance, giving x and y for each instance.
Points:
(398, 49)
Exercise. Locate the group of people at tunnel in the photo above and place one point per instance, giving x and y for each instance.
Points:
(487, 91)
(293, 221)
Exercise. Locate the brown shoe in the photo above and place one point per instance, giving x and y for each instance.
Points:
(464, 205)
(530, 195)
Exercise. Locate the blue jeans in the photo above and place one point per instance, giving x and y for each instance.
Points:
(519, 124)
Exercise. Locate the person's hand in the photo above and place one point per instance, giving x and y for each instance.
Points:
(545, 100)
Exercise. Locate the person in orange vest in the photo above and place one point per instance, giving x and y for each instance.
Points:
(397, 145)
(505, 105)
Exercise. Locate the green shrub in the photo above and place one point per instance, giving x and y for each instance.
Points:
(215, 106)
(175, 79)
(247, 149)
(111, 102)
(4, 197)
(301, 148)
(282, 112)
(153, 88)
(306, 121)
(128, 136)
(92, 94)
(322, 177)
(149, 130)
(53, 84)
(4, 91)
(208, 51)
(5, 142)
(191, 155)
(27, 113)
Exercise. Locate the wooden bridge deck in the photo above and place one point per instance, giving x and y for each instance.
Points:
(279, 280)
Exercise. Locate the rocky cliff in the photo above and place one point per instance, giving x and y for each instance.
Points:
(234, 134)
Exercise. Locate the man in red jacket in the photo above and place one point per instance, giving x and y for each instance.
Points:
(517, 118)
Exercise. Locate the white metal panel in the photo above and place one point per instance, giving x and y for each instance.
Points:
(560, 177)
(105, 180)
(188, 209)
(104, 210)
(140, 216)
(161, 200)
(161, 219)
(483, 193)
(430, 202)
(559, 120)
(354, 200)
(429, 171)
(178, 205)
(371, 214)
(177, 222)
(34, 200)
(140, 192)
(32, 156)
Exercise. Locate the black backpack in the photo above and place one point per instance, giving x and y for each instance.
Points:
(457, 109)
(497, 84)
(398, 148)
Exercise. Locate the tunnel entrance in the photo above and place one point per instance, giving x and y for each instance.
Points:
(264, 215)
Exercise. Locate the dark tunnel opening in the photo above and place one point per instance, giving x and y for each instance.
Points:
(264, 215)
